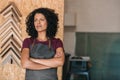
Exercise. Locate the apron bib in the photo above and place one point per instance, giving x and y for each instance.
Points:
(41, 51)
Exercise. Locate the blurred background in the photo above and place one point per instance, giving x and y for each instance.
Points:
(92, 28)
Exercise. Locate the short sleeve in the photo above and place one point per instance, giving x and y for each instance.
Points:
(26, 43)
(59, 43)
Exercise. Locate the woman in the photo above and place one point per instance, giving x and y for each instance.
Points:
(42, 53)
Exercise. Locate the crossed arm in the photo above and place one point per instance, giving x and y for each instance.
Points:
(37, 64)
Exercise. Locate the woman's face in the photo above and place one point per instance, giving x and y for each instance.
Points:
(40, 22)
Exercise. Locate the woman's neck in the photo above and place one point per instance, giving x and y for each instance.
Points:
(42, 37)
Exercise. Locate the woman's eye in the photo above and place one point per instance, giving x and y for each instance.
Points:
(42, 19)
(39, 19)
(35, 20)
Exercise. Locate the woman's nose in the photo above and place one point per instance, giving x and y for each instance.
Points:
(39, 21)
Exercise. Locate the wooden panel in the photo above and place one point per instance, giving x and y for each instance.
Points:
(13, 28)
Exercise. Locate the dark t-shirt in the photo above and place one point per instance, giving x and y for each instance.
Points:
(55, 43)
(41, 50)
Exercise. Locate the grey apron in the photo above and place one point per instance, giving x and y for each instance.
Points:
(41, 51)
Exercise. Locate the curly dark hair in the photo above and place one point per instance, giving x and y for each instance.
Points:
(52, 22)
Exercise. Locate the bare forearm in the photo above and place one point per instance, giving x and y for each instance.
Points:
(54, 62)
(34, 66)
(28, 64)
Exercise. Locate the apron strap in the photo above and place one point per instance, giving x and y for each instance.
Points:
(49, 43)
(33, 43)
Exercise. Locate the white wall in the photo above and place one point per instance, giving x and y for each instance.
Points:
(91, 16)
(95, 15)
(69, 41)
